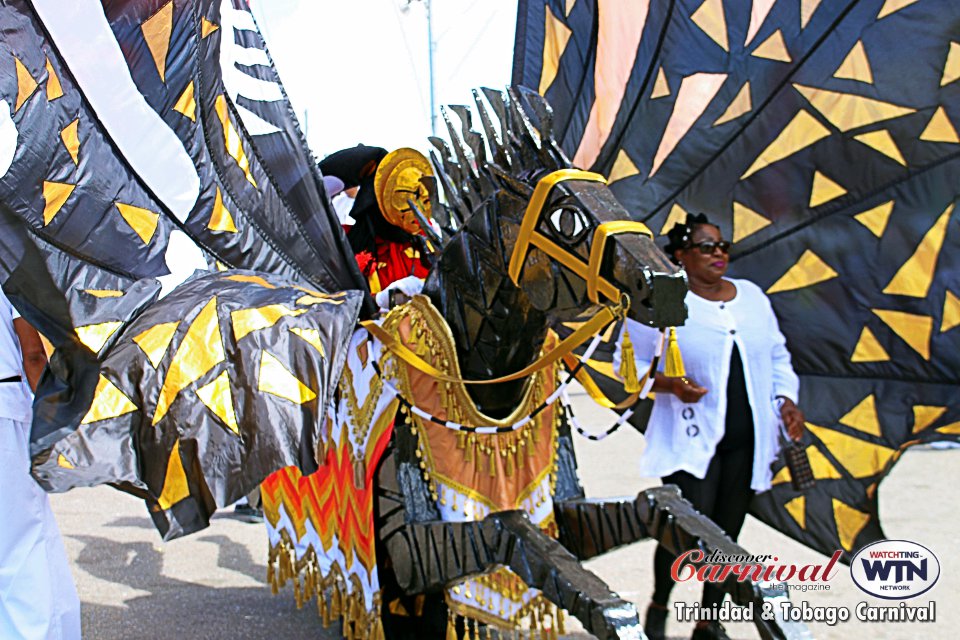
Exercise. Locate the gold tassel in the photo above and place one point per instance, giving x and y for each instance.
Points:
(628, 365)
(323, 609)
(451, 627)
(674, 367)
(335, 608)
(561, 626)
(297, 594)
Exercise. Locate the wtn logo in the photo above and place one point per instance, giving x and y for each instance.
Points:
(895, 569)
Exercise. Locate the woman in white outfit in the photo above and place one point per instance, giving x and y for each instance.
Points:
(714, 432)
(38, 600)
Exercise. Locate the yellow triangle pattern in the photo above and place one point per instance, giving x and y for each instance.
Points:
(218, 398)
(94, 336)
(247, 321)
(850, 522)
(108, 402)
(70, 137)
(104, 293)
(312, 336)
(940, 129)
(661, 88)
(892, 6)
(800, 133)
(63, 462)
(156, 31)
(951, 70)
(809, 270)
(252, 280)
(868, 349)
(797, 508)
(822, 468)
(807, 9)
(309, 300)
(677, 215)
(773, 48)
(856, 66)
(782, 476)
(220, 218)
(54, 88)
(916, 275)
(55, 194)
(200, 351)
(747, 222)
(623, 167)
(824, 190)
(951, 312)
(861, 458)
(883, 142)
(186, 103)
(569, 7)
(155, 341)
(912, 328)
(231, 140)
(952, 429)
(710, 18)
(277, 380)
(142, 221)
(863, 417)
(741, 104)
(175, 487)
(876, 219)
(924, 416)
(555, 39)
(847, 111)
(26, 84)
(207, 27)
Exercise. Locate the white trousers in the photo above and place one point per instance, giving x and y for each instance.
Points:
(38, 599)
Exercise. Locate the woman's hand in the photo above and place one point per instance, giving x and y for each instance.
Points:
(687, 390)
(793, 419)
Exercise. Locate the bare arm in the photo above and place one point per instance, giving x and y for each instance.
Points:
(34, 357)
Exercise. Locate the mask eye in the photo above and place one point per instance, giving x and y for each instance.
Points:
(568, 224)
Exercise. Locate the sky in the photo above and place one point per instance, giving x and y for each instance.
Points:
(358, 70)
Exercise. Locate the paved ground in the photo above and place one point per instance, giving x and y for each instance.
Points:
(211, 585)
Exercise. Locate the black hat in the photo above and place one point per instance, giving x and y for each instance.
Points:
(352, 165)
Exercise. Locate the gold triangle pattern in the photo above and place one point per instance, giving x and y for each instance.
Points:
(157, 30)
(104, 293)
(951, 312)
(55, 194)
(924, 416)
(912, 328)
(847, 111)
(694, 96)
(207, 27)
(231, 140)
(309, 300)
(892, 6)
(782, 476)
(741, 104)
(758, 14)
(797, 508)
(869, 349)
(850, 522)
(569, 7)
(800, 133)
(940, 129)
(809, 270)
(883, 142)
(54, 88)
(863, 417)
(709, 17)
(861, 458)
(916, 275)
(175, 487)
(856, 66)
(773, 48)
(186, 103)
(26, 84)
(252, 280)
(807, 9)
(824, 190)
(623, 167)
(312, 336)
(661, 88)
(822, 468)
(220, 218)
(142, 221)
(94, 336)
(63, 462)
(108, 402)
(951, 429)
(876, 219)
(677, 216)
(556, 36)
(951, 70)
(219, 399)
(70, 137)
(246, 321)
(277, 380)
(200, 350)
(155, 341)
(747, 222)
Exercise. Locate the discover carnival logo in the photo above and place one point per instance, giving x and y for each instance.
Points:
(895, 569)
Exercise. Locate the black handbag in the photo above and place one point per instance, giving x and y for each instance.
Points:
(795, 456)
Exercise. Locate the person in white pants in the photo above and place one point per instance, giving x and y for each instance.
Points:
(38, 599)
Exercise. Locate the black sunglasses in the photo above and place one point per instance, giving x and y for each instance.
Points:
(707, 248)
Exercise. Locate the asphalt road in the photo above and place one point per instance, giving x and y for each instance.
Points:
(212, 585)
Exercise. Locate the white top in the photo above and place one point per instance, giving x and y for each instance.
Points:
(684, 436)
(15, 400)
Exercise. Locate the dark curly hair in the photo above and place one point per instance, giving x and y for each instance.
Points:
(678, 237)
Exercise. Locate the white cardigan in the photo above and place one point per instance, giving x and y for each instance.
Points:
(684, 436)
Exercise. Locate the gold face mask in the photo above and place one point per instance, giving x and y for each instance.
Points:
(398, 182)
